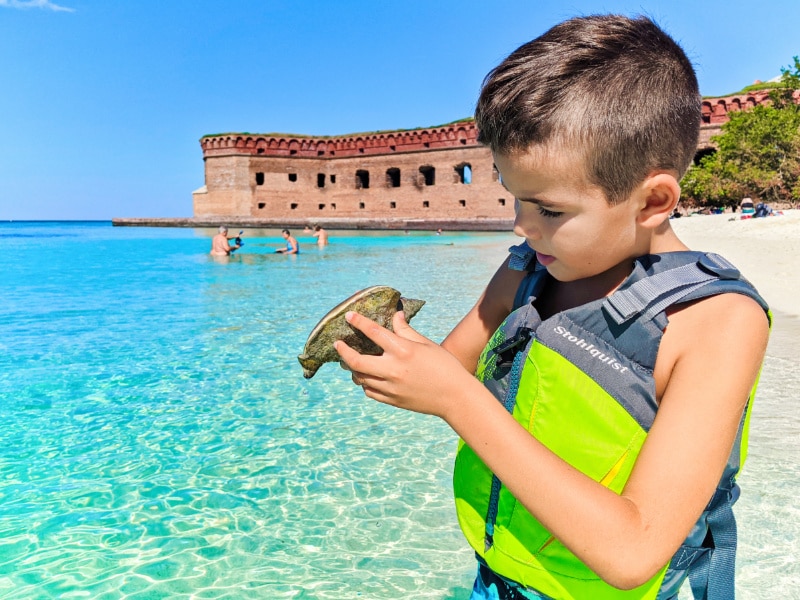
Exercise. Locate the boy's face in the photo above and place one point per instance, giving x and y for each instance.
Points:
(575, 232)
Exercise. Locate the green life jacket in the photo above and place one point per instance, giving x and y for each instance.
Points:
(582, 383)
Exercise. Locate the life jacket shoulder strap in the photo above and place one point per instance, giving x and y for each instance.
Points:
(648, 297)
(524, 259)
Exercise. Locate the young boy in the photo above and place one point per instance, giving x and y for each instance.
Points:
(624, 364)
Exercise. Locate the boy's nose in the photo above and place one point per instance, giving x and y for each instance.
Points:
(524, 225)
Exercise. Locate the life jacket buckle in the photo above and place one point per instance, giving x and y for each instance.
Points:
(717, 265)
(508, 350)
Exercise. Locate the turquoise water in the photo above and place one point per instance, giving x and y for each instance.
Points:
(159, 440)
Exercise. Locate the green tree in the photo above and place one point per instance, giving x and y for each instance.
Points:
(783, 94)
(758, 152)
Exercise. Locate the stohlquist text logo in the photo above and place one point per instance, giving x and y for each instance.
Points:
(590, 348)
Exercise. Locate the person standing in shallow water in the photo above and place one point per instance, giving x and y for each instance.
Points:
(600, 443)
(321, 235)
(292, 245)
(220, 244)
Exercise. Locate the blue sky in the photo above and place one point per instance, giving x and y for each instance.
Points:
(102, 102)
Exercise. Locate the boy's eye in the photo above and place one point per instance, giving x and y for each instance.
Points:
(549, 213)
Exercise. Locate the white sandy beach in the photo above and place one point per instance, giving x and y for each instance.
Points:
(764, 250)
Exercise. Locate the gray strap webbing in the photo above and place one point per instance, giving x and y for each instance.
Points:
(651, 295)
(521, 256)
(712, 576)
(524, 259)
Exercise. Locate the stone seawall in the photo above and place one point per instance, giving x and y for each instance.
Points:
(331, 224)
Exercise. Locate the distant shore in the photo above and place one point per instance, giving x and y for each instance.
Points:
(328, 223)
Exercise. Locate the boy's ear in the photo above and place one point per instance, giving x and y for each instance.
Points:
(660, 195)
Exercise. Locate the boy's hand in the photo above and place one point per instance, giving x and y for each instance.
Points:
(413, 373)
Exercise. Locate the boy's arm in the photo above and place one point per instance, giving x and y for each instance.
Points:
(467, 339)
(709, 358)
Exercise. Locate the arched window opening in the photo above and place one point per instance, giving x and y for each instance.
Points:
(428, 174)
(705, 112)
(362, 179)
(320, 180)
(259, 179)
(393, 177)
(701, 154)
(464, 172)
(292, 176)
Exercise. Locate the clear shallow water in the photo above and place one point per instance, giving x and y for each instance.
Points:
(159, 440)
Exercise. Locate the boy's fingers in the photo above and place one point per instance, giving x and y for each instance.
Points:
(380, 335)
(352, 360)
(347, 354)
(404, 330)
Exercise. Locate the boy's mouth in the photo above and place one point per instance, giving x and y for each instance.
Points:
(544, 259)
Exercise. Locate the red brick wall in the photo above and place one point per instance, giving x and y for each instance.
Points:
(316, 178)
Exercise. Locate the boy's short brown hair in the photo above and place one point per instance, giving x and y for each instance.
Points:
(618, 90)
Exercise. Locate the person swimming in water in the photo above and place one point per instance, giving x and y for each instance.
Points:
(321, 235)
(220, 243)
(292, 245)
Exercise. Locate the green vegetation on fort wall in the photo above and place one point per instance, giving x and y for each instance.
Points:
(758, 153)
(330, 137)
(763, 85)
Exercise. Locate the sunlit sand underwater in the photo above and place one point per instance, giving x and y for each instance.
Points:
(159, 440)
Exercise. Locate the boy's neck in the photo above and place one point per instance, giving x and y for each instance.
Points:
(559, 296)
(664, 239)
(563, 295)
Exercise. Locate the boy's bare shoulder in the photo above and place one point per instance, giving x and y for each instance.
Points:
(717, 314)
(716, 334)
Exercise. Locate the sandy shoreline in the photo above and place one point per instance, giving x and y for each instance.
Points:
(764, 251)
